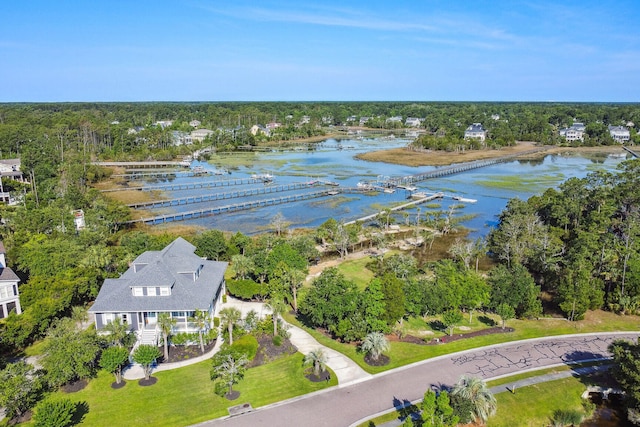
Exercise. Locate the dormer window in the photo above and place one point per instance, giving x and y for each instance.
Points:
(138, 291)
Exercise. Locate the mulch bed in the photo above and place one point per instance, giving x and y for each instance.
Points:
(116, 386)
(268, 351)
(324, 376)
(179, 353)
(75, 386)
(232, 395)
(381, 361)
(147, 382)
(456, 337)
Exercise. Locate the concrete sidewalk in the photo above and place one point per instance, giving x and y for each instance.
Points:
(346, 370)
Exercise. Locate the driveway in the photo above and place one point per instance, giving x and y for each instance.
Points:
(345, 405)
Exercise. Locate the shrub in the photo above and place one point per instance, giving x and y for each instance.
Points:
(277, 340)
(54, 413)
(216, 322)
(185, 338)
(247, 345)
(245, 289)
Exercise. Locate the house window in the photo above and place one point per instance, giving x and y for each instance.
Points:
(151, 292)
(137, 292)
(164, 291)
(125, 318)
(4, 292)
(107, 318)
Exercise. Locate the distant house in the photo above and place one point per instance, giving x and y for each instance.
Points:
(9, 295)
(619, 134)
(305, 120)
(200, 134)
(259, 129)
(174, 281)
(164, 123)
(475, 131)
(363, 120)
(134, 130)
(9, 169)
(413, 122)
(394, 119)
(181, 138)
(351, 119)
(573, 133)
(495, 117)
(274, 125)
(195, 123)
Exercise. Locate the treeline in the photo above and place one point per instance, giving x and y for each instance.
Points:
(580, 242)
(103, 129)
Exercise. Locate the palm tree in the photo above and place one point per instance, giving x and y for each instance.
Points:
(375, 344)
(277, 306)
(229, 317)
(117, 331)
(201, 320)
(475, 391)
(317, 359)
(166, 322)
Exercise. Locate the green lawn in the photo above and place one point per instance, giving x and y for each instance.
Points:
(533, 406)
(357, 272)
(185, 396)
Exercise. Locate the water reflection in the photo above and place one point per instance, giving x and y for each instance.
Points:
(491, 186)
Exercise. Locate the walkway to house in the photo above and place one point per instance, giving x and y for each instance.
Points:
(346, 370)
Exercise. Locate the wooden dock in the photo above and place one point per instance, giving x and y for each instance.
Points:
(398, 208)
(630, 151)
(251, 204)
(191, 185)
(201, 198)
(156, 164)
(160, 174)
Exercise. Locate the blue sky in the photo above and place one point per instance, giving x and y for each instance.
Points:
(423, 50)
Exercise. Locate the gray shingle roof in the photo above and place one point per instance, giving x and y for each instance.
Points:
(173, 266)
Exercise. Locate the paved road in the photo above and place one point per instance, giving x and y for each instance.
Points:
(346, 404)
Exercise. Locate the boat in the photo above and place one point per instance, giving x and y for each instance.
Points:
(198, 170)
(419, 195)
(389, 190)
(266, 177)
(464, 199)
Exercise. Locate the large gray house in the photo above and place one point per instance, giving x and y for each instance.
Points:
(174, 280)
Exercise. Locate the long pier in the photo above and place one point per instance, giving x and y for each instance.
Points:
(452, 170)
(398, 208)
(222, 196)
(149, 164)
(630, 151)
(162, 174)
(192, 185)
(251, 204)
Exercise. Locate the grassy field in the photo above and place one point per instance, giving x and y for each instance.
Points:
(185, 396)
(533, 406)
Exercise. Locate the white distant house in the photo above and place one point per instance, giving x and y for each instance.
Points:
(134, 130)
(9, 295)
(305, 120)
(495, 117)
(619, 134)
(9, 168)
(195, 123)
(174, 280)
(274, 125)
(413, 122)
(475, 131)
(573, 133)
(199, 135)
(394, 119)
(363, 120)
(164, 123)
(181, 138)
